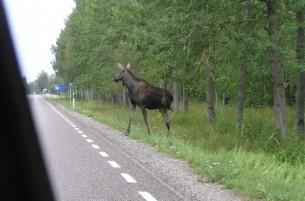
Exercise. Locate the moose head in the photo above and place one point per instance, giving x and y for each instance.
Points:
(122, 72)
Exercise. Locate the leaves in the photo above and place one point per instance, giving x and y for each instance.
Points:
(165, 40)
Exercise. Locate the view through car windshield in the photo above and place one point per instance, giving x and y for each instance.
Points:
(166, 100)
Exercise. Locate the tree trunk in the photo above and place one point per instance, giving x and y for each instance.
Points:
(241, 96)
(210, 91)
(216, 99)
(242, 78)
(225, 98)
(277, 69)
(300, 47)
(289, 94)
(124, 97)
(87, 94)
(108, 96)
(162, 84)
(91, 94)
(176, 96)
(185, 99)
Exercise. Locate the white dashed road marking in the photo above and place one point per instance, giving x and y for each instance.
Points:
(89, 140)
(95, 146)
(103, 154)
(128, 178)
(114, 164)
(147, 196)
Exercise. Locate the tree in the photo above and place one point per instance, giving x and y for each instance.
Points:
(169, 41)
(300, 47)
(176, 96)
(210, 91)
(242, 78)
(185, 99)
(42, 81)
(276, 63)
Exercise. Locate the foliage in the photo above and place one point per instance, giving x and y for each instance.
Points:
(42, 80)
(40, 83)
(165, 40)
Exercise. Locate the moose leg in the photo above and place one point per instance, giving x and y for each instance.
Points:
(133, 108)
(166, 119)
(144, 112)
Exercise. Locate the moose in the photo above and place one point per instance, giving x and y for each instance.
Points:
(144, 95)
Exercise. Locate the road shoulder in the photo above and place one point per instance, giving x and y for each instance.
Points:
(173, 173)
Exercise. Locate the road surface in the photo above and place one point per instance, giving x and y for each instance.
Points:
(87, 160)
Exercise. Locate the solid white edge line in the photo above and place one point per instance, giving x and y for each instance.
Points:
(147, 196)
(128, 178)
(89, 140)
(62, 116)
(95, 146)
(103, 154)
(114, 164)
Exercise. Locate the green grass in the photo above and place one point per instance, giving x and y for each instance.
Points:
(248, 159)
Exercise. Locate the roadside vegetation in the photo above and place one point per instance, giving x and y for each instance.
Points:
(249, 160)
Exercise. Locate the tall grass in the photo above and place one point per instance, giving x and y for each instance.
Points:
(247, 158)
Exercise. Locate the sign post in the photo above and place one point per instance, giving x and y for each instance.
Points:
(70, 84)
(73, 101)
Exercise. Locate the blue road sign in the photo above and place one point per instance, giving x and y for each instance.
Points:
(61, 88)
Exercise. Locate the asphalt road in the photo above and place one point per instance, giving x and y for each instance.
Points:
(83, 167)
(89, 161)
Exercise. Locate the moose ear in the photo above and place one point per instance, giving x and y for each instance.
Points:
(128, 65)
(120, 66)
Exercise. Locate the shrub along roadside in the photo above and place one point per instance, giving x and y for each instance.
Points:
(253, 174)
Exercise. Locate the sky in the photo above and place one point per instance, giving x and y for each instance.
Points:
(35, 26)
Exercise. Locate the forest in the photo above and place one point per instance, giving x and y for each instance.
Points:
(239, 63)
(249, 52)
